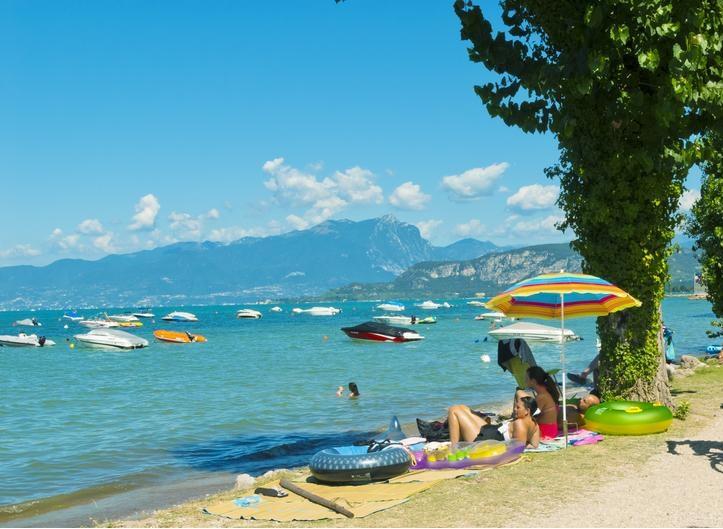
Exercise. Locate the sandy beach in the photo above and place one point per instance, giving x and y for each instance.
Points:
(664, 480)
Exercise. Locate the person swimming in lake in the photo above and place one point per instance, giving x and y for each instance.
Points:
(353, 390)
(340, 391)
(547, 397)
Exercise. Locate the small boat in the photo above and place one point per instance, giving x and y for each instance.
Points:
(391, 306)
(144, 314)
(378, 332)
(180, 316)
(426, 321)
(446, 305)
(476, 303)
(178, 336)
(72, 316)
(317, 311)
(491, 316)
(533, 332)
(25, 340)
(429, 305)
(276, 309)
(134, 323)
(390, 319)
(99, 321)
(29, 322)
(122, 318)
(112, 338)
(249, 314)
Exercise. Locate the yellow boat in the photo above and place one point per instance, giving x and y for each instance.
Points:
(178, 336)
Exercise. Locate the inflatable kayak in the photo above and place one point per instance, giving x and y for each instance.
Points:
(626, 417)
(178, 337)
(484, 453)
(713, 349)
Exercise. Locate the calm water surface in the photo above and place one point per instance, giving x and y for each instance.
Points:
(258, 395)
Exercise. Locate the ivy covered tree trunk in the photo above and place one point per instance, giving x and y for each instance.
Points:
(627, 87)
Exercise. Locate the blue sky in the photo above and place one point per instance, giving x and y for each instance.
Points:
(129, 125)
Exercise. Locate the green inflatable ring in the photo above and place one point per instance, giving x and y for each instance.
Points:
(627, 417)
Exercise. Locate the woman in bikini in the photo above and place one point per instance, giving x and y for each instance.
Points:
(547, 396)
(466, 425)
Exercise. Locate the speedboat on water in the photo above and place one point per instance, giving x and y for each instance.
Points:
(249, 314)
(72, 316)
(180, 316)
(122, 318)
(429, 305)
(317, 311)
(379, 332)
(99, 321)
(25, 340)
(144, 314)
(391, 306)
(390, 319)
(533, 332)
(476, 303)
(112, 338)
(276, 309)
(29, 322)
(178, 336)
(491, 316)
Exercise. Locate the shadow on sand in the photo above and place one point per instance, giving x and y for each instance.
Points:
(713, 450)
(256, 454)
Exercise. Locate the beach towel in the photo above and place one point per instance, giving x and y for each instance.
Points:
(362, 500)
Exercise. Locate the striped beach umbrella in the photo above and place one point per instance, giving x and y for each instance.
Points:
(559, 296)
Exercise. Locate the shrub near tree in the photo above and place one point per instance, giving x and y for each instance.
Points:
(627, 88)
(706, 227)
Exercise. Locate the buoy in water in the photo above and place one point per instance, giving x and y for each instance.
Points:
(485, 358)
(72, 345)
(325, 338)
(65, 326)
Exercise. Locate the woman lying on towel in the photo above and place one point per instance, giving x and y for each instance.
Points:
(466, 425)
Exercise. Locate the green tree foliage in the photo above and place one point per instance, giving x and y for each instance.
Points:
(706, 226)
(626, 87)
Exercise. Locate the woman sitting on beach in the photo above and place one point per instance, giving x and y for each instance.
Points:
(466, 425)
(547, 396)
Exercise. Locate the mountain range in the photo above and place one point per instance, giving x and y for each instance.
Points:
(299, 263)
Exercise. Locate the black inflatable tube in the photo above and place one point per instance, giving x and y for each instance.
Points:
(331, 466)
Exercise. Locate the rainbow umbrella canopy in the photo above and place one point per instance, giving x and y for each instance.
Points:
(559, 296)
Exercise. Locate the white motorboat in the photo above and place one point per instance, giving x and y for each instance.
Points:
(144, 314)
(391, 306)
(391, 319)
(99, 321)
(25, 340)
(248, 314)
(276, 309)
(429, 305)
(29, 322)
(112, 338)
(317, 311)
(180, 316)
(72, 316)
(491, 316)
(533, 332)
(122, 318)
(476, 303)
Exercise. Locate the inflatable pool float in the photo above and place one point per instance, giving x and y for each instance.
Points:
(625, 417)
(178, 337)
(713, 349)
(463, 455)
(354, 464)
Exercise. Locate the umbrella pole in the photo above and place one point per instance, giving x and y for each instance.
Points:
(564, 374)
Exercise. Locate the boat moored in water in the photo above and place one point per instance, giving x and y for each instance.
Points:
(379, 332)
(112, 338)
(144, 314)
(180, 316)
(249, 314)
(178, 336)
(25, 340)
(429, 305)
(29, 322)
(72, 316)
(391, 306)
(533, 332)
(317, 311)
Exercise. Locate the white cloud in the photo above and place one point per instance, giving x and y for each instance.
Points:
(503, 189)
(66, 242)
(213, 213)
(105, 243)
(542, 226)
(534, 197)
(146, 211)
(90, 227)
(57, 232)
(426, 227)
(474, 183)
(186, 225)
(473, 228)
(19, 250)
(323, 198)
(688, 199)
(409, 196)
(233, 233)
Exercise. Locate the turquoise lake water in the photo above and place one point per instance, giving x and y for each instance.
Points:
(259, 395)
